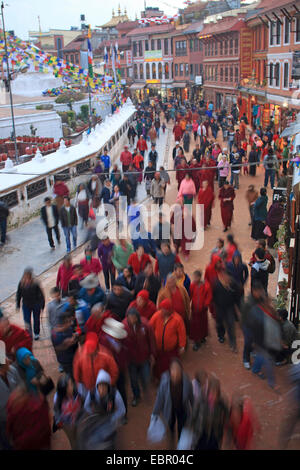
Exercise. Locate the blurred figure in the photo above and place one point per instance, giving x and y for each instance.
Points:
(50, 218)
(289, 335)
(91, 291)
(141, 352)
(174, 400)
(104, 409)
(121, 253)
(82, 203)
(146, 279)
(65, 341)
(293, 416)
(105, 252)
(274, 219)
(69, 222)
(60, 190)
(28, 421)
(201, 297)
(64, 275)
(226, 196)
(67, 407)
(119, 299)
(243, 424)
(206, 197)
(33, 301)
(219, 250)
(13, 337)
(251, 197)
(143, 305)
(128, 279)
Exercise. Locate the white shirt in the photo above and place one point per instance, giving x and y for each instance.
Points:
(50, 217)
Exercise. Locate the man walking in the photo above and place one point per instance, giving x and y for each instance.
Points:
(270, 164)
(4, 213)
(50, 218)
(69, 222)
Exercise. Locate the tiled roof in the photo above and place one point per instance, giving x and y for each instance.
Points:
(163, 28)
(222, 26)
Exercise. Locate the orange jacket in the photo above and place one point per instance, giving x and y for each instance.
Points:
(171, 335)
(86, 367)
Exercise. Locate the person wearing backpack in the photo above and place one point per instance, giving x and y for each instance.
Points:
(270, 164)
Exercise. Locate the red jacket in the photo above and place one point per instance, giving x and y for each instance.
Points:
(211, 275)
(95, 324)
(177, 132)
(28, 422)
(16, 338)
(64, 276)
(91, 267)
(61, 189)
(142, 145)
(141, 342)
(126, 158)
(147, 311)
(138, 265)
(171, 335)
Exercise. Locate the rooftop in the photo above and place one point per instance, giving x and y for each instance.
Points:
(148, 30)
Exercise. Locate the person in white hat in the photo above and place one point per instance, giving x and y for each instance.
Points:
(9, 380)
(176, 150)
(90, 291)
(113, 337)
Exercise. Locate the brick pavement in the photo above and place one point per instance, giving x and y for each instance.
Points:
(212, 356)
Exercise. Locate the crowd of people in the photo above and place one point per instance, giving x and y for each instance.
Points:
(139, 326)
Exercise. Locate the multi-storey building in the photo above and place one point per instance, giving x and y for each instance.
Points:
(222, 62)
(272, 92)
(152, 57)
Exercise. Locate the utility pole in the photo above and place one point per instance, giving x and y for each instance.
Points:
(9, 84)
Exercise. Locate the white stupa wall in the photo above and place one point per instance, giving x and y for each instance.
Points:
(33, 84)
(48, 124)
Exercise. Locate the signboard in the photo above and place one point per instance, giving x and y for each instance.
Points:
(153, 81)
(246, 53)
(198, 80)
(296, 66)
(152, 56)
(128, 58)
(278, 193)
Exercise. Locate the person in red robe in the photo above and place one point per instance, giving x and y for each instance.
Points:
(181, 236)
(195, 173)
(231, 248)
(181, 171)
(208, 172)
(206, 197)
(97, 319)
(177, 132)
(201, 298)
(143, 305)
(14, 337)
(226, 196)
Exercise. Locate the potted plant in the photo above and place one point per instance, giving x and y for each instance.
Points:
(283, 285)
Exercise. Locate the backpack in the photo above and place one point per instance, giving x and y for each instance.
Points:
(270, 163)
(272, 267)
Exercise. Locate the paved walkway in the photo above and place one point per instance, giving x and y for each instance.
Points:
(28, 245)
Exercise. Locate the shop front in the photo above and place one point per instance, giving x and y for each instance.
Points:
(156, 88)
(180, 91)
(137, 91)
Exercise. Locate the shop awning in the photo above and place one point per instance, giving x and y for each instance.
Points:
(137, 86)
(179, 85)
(293, 129)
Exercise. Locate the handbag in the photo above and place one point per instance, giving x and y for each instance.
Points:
(157, 430)
(267, 231)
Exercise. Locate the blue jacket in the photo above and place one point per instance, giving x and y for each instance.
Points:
(148, 244)
(105, 195)
(30, 370)
(260, 208)
(106, 161)
(91, 300)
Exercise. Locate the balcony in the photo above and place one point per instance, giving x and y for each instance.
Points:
(181, 53)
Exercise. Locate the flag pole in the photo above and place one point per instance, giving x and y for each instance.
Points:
(90, 66)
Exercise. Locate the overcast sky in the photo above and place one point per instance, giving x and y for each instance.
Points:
(22, 15)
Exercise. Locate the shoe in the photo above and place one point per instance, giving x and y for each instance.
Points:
(59, 242)
(125, 420)
(60, 369)
(221, 340)
(52, 247)
(281, 363)
(196, 347)
(36, 337)
(247, 365)
(135, 402)
(225, 230)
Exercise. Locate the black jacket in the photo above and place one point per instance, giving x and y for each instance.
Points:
(32, 295)
(4, 211)
(54, 212)
(174, 151)
(119, 305)
(64, 217)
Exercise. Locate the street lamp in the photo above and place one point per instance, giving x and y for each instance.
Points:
(22, 69)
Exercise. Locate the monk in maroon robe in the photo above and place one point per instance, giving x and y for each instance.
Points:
(195, 173)
(201, 298)
(187, 220)
(181, 171)
(206, 197)
(208, 172)
(226, 196)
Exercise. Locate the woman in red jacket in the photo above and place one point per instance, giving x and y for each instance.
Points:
(89, 264)
(142, 145)
(64, 275)
(138, 260)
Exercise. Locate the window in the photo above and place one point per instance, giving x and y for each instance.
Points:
(201, 69)
(208, 49)
(140, 48)
(196, 69)
(171, 46)
(152, 45)
(72, 59)
(277, 74)
(226, 74)
(286, 75)
(216, 48)
(278, 32)
(205, 50)
(186, 69)
(231, 74)
(191, 69)
(221, 48)
(59, 47)
(160, 71)
(180, 47)
(166, 46)
(176, 70)
(77, 59)
(10, 199)
(236, 74)
(154, 71)
(231, 47)
(200, 45)
(181, 69)
(221, 74)
(196, 44)
(271, 74)
(135, 71)
(147, 71)
(159, 45)
(141, 72)
(226, 48)
(216, 73)
(236, 46)
(146, 45)
(85, 166)
(166, 71)
(297, 29)
(275, 31)
(134, 49)
(191, 45)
